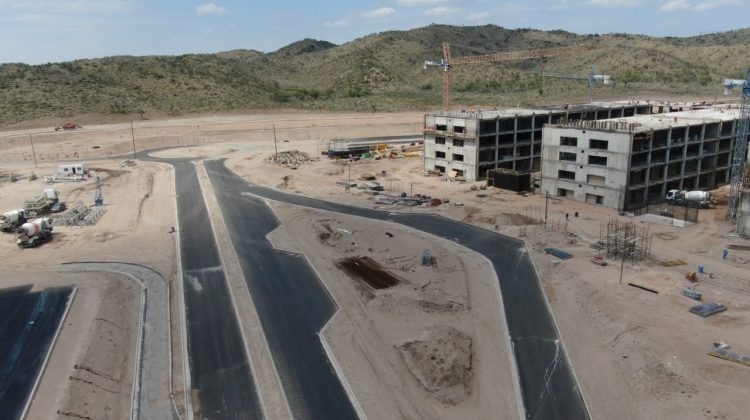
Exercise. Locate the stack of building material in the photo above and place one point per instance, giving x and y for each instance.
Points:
(81, 215)
(725, 354)
(708, 309)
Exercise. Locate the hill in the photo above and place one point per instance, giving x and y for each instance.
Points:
(382, 70)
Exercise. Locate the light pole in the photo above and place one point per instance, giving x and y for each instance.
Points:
(276, 149)
(132, 136)
(33, 152)
(546, 204)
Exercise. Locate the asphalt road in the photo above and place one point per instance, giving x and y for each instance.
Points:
(548, 387)
(292, 303)
(219, 366)
(28, 322)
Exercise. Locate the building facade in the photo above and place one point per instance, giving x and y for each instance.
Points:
(468, 144)
(628, 163)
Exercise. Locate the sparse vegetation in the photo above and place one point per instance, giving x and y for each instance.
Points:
(383, 69)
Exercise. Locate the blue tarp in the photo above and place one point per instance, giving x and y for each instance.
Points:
(558, 253)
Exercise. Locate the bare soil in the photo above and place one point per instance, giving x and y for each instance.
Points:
(636, 354)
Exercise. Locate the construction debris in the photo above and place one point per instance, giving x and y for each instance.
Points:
(673, 263)
(598, 260)
(127, 163)
(292, 158)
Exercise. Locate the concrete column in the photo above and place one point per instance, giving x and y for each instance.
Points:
(515, 139)
(684, 156)
(497, 141)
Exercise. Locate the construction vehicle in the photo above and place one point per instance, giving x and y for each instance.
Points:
(33, 233)
(698, 199)
(68, 126)
(41, 204)
(10, 220)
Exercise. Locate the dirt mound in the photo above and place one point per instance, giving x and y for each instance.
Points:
(514, 219)
(442, 363)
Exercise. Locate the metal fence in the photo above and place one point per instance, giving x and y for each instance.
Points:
(688, 214)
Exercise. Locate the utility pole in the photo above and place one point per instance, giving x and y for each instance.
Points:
(349, 184)
(276, 153)
(132, 135)
(546, 204)
(33, 152)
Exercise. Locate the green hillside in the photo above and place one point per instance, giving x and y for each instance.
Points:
(382, 70)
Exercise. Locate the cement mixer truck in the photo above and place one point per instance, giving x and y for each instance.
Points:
(697, 199)
(33, 233)
(10, 220)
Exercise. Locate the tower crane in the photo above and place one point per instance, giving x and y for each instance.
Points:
(739, 156)
(592, 78)
(448, 62)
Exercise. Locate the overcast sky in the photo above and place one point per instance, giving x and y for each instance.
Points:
(41, 31)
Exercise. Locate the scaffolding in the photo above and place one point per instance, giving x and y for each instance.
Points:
(625, 240)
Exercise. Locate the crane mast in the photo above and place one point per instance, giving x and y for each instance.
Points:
(447, 62)
(739, 156)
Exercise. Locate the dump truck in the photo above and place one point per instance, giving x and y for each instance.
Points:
(698, 199)
(41, 204)
(10, 220)
(33, 233)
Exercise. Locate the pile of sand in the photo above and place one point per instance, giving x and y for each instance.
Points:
(441, 362)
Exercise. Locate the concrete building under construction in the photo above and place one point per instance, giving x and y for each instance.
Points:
(468, 144)
(627, 163)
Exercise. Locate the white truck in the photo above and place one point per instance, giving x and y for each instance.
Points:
(698, 199)
(34, 232)
(10, 220)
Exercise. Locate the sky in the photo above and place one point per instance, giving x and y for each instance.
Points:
(43, 31)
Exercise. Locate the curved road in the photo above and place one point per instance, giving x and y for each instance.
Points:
(548, 386)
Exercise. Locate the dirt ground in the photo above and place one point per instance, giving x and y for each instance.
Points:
(134, 228)
(430, 346)
(651, 347)
(636, 354)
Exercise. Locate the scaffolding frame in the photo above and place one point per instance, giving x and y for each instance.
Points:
(625, 239)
